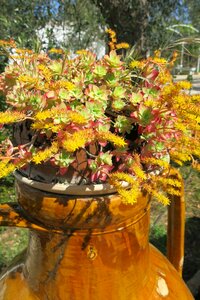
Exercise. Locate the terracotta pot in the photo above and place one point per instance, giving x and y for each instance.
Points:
(88, 248)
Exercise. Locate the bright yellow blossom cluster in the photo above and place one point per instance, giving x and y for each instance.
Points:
(23, 51)
(46, 72)
(78, 139)
(159, 60)
(62, 84)
(43, 155)
(160, 197)
(152, 190)
(72, 116)
(56, 51)
(41, 125)
(180, 158)
(164, 77)
(113, 39)
(137, 169)
(184, 85)
(122, 46)
(7, 117)
(157, 53)
(82, 52)
(136, 64)
(4, 43)
(111, 137)
(6, 168)
(157, 162)
(66, 85)
(130, 195)
(29, 81)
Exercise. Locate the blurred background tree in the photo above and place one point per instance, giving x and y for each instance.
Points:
(73, 24)
(77, 24)
(140, 22)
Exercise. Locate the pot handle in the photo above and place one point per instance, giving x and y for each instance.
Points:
(176, 227)
(11, 215)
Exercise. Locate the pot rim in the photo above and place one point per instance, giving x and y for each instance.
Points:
(70, 189)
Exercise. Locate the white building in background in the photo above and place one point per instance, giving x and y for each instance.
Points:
(62, 33)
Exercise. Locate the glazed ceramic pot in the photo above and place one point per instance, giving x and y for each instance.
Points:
(85, 247)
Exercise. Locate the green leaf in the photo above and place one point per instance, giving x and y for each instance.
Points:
(118, 104)
(135, 98)
(113, 59)
(64, 159)
(123, 124)
(106, 158)
(119, 92)
(100, 71)
(95, 109)
(111, 79)
(56, 67)
(93, 165)
(63, 94)
(145, 115)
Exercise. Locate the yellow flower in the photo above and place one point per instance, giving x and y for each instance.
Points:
(28, 80)
(157, 53)
(184, 85)
(120, 176)
(23, 51)
(76, 118)
(56, 51)
(49, 126)
(180, 126)
(113, 39)
(77, 140)
(46, 72)
(139, 172)
(174, 57)
(66, 85)
(111, 45)
(160, 197)
(155, 161)
(71, 116)
(173, 191)
(129, 196)
(6, 168)
(10, 43)
(136, 64)
(62, 84)
(122, 46)
(195, 98)
(164, 77)
(11, 117)
(82, 52)
(167, 181)
(183, 157)
(159, 60)
(111, 137)
(43, 155)
(45, 114)
(111, 33)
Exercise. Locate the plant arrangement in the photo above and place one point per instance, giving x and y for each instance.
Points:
(130, 111)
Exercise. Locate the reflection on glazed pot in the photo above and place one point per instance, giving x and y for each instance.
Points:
(89, 248)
